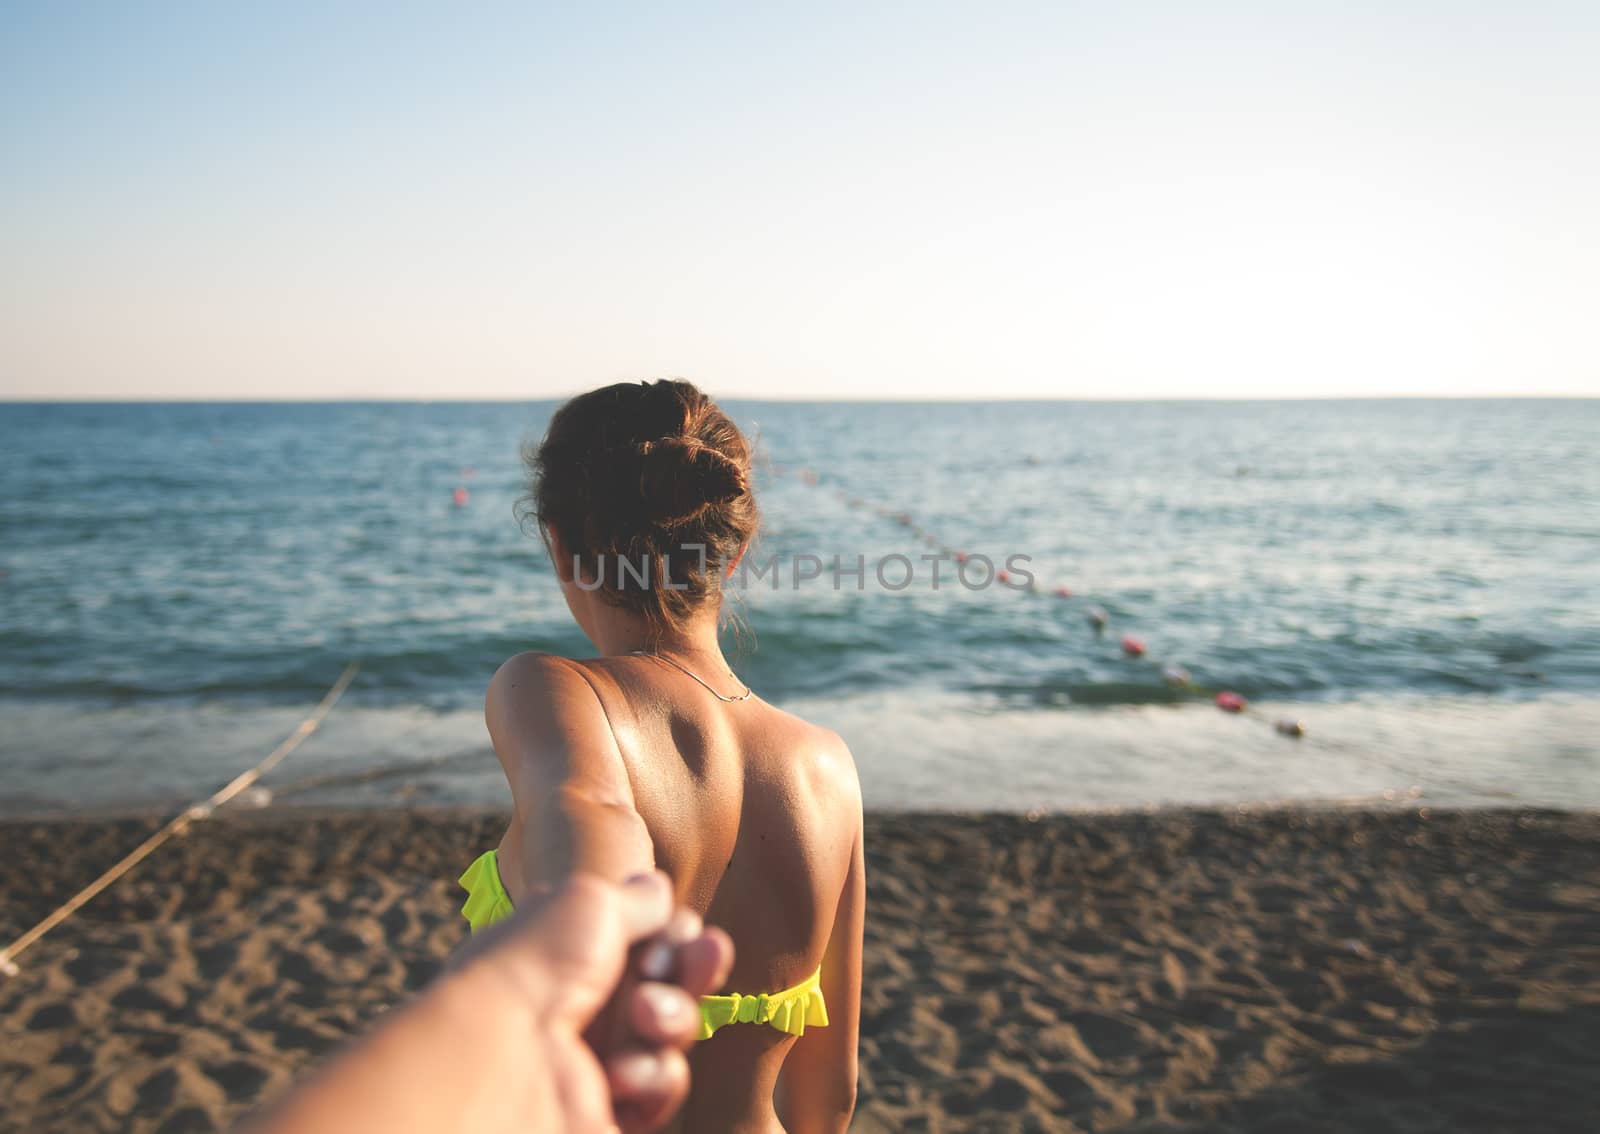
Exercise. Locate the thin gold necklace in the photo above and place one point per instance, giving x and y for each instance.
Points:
(685, 670)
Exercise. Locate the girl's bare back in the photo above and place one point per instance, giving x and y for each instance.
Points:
(621, 762)
(756, 817)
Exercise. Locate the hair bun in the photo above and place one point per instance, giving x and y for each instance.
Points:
(680, 477)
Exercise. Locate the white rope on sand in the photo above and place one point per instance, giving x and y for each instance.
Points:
(181, 822)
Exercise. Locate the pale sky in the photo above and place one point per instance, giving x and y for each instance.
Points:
(855, 200)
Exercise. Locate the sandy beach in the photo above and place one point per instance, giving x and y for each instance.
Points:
(1196, 970)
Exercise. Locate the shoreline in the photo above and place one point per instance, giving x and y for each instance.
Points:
(1413, 968)
(1387, 802)
(932, 749)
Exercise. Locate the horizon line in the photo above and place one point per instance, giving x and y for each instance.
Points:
(782, 400)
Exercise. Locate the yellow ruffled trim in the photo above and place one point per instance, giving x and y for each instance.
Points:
(790, 1011)
(487, 901)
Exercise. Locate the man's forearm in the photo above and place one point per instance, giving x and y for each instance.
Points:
(396, 1082)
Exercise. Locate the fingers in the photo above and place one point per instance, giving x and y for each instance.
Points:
(645, 902)
(652, 1008)
(647, 1087)
(571, 946)
(580, 937)
(663, 1015)
(692, 955)
(668, 1013)
(660, 957)
(651, 1081)
(704, 963)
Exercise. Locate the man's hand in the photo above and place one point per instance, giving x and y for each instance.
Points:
(498, 1043)
(615, 1031)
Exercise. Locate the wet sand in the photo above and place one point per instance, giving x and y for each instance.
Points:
(1169, 971)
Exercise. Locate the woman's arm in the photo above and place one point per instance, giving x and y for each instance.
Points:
(569, 787)
(817, 1086)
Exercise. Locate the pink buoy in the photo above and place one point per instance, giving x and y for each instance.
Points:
(1132, 646)
(460, 497)
(1002, 576)
(1063, 592)
(961, 557)
(1230, 702)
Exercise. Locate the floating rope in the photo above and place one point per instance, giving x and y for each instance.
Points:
(1132, 646)
(180, 822)
(1134, 650)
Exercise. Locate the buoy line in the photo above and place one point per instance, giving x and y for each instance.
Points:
(1134, 649)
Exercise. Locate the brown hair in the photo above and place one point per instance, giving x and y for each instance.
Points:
(640, 473)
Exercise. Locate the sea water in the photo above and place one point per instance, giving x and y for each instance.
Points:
(1416, 582)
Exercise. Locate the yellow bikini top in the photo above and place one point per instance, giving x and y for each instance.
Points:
(789, 1011)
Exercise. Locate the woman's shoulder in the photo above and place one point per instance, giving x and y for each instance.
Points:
(818, 756)
(535, 677)
(534, 666)
(544, 715)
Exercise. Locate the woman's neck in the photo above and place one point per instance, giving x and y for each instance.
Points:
(617, 633)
